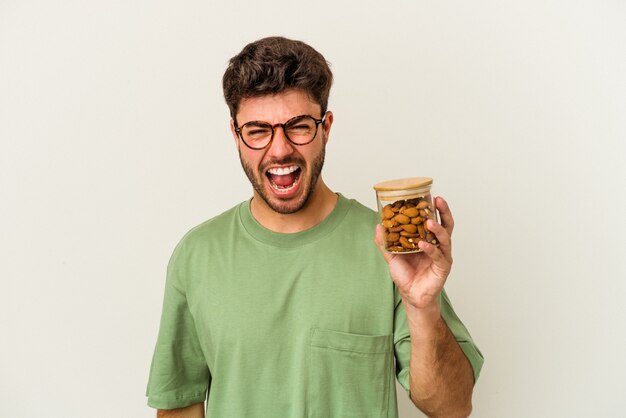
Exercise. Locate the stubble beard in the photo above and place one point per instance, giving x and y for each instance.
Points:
(285, 206)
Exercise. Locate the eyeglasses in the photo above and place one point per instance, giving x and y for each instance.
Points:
(299, 130)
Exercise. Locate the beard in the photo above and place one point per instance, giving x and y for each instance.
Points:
(287, 205)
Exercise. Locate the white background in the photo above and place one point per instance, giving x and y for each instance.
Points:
(114, 142)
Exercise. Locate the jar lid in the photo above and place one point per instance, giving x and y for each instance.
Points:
(403, 184)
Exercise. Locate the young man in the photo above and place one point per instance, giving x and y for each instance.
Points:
(283, 306)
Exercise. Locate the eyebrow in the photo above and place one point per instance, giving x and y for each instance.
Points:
(257, 123)
(298, 118)
(260, 123)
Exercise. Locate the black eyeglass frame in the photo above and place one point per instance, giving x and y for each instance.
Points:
(282, 125)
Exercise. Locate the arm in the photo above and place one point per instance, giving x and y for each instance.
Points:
(179, 373)
(193, 411)
(441, 377)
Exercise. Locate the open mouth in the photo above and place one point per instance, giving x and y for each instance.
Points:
(284, 179)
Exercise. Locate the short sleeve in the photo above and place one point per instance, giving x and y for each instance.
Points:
(402, 339)
(401, 342)
(179, 375)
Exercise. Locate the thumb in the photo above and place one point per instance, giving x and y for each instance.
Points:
(379, 243)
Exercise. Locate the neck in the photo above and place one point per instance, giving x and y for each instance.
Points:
(320, 205)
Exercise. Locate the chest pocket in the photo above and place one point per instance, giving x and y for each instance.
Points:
(349, 375)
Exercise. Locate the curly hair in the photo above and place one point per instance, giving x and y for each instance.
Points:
(272, 65)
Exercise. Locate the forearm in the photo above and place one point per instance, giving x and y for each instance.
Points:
(193, 411)
(441, 377)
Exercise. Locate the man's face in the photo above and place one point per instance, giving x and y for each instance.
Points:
(284, 175)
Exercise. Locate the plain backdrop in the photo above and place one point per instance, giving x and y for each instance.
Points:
(115, 142)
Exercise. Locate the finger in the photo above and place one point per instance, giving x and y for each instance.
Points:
(446, 215)
(445, 242)
(379, 243)
(441, 266)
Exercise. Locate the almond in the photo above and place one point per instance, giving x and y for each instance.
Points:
(389, 223)
(392, 237)
(423, 204)
(403, 219)
(387, 212)
(410, 212)
(406, 243)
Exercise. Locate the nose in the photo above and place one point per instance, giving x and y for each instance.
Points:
(280, 145)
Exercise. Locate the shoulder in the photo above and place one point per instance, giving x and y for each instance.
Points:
(359, 212)
(213, 226)
(358, 222)
(208, 233)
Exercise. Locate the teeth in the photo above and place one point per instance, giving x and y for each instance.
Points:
(282, 171)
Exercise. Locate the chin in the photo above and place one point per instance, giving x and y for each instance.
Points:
(285, 206)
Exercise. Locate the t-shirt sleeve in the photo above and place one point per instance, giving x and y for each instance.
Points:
(179, 375)
(402, 339)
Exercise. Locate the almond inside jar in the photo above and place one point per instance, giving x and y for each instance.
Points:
(404, 224)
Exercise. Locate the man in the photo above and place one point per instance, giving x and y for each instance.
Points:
(283, 305)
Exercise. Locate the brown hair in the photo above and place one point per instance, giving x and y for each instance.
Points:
(272, 65)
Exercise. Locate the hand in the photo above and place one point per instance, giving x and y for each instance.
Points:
(420, 277)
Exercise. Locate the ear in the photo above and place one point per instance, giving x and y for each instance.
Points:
(328, 122)
(232, 131)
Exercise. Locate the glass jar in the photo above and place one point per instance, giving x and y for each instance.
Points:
(404, 206)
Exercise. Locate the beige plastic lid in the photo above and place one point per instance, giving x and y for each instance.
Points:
(403, 184)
